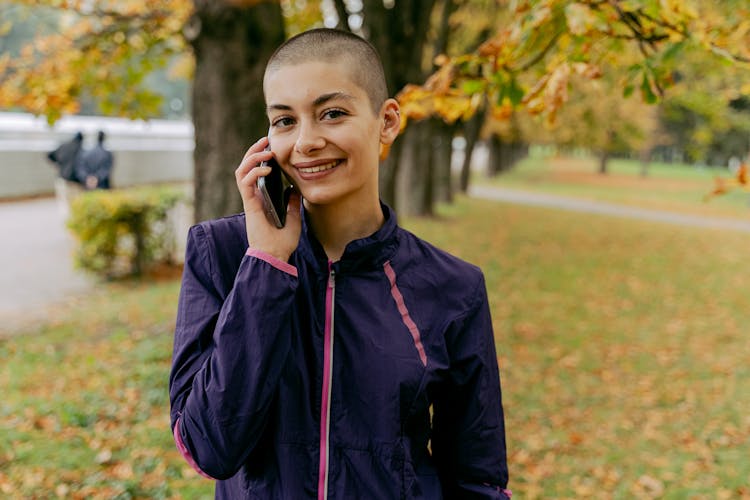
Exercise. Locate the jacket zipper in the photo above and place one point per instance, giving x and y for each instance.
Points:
(325, 402)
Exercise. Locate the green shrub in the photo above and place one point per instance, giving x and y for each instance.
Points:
(122, 232)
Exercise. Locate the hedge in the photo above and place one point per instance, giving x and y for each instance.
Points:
(123, 232)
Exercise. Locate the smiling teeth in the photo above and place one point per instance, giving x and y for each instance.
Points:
(319, 168)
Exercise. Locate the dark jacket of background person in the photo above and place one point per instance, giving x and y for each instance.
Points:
(290, 380)
(96, 162)
(66, 157)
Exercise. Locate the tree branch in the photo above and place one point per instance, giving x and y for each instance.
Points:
(537, 58)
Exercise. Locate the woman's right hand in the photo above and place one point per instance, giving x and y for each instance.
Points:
(262, 235)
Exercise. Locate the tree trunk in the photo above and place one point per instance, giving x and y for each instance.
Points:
(414, 189)
(606, 152)
(426, 172)
(603, 161)
(400, 36)
(231, 45)
(389, 173)
(496, 156)
(519, 152)
(442, 155)
(645, 157)
(472, 128)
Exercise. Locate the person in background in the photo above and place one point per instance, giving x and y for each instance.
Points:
(340, 356)
(95, 166)
(67, 157)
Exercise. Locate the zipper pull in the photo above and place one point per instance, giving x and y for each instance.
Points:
(332, 278)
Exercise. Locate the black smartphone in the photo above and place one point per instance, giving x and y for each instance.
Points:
(276, 190)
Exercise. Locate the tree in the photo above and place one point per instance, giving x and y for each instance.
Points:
(597, 118)
(103, 51)
(401, 35)
(108, 48)
(231, 43)
(706, 118)
(530, 62)
(525, 58)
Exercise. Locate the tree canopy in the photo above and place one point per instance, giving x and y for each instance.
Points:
(530, 62)
(527, 58)
(103, 50)
(445, 59)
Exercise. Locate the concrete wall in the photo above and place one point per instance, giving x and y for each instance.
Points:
(144, 152)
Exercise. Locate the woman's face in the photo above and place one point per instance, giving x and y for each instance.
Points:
(324, 133)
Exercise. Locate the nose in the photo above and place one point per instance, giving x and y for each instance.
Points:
(308, 138)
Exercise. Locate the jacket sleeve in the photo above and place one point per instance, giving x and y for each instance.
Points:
(228, 354)
(468, 441)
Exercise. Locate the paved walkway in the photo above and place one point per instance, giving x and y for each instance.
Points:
(36, 262)
(37, 273)
(598, 207)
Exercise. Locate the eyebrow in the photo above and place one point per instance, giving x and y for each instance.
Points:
(320, 100)
(331, 96)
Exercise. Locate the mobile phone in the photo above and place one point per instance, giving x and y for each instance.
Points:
(276, 190)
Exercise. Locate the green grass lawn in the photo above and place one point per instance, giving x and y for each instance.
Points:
(678, 188)
(623, 349)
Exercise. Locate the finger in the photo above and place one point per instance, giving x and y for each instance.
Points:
(251, 178)
(259, 145)
(251, 161)
(248, 160)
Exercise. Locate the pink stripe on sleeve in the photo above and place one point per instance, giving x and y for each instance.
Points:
(405, 317)
(184, 451)
(277, 263)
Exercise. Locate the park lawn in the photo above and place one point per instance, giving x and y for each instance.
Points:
(676, 188)
(622, 346)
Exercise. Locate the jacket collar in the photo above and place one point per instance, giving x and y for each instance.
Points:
(359, 255)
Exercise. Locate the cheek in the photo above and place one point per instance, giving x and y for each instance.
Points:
(363, 142)
(282, 148)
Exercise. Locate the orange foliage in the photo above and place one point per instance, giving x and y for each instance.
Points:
(528, 62)
(105, 49)
(723, 186)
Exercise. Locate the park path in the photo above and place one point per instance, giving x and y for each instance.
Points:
(36, 262)
(599, 207)
(37, 275)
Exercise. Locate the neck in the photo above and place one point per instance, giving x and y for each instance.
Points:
(335, 226)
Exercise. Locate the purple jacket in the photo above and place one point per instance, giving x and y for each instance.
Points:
(374, 377)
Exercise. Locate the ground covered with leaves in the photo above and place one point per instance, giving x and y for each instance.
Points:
(623, 348)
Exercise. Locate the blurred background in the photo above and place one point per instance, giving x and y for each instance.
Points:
(590, 156)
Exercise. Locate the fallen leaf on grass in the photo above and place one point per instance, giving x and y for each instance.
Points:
(103, 457)
(649, 487)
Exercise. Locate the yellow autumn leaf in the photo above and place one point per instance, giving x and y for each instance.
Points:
(502, 112)
(579, 18)
(451, 108)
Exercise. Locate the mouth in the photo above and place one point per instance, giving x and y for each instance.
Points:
(322, 167)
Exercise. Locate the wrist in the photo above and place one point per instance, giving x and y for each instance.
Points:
(275, 261)
(270, 252)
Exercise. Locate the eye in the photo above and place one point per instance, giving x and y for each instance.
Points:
(332, 114)
(282, 121)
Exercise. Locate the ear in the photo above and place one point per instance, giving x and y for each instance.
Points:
(391, 121)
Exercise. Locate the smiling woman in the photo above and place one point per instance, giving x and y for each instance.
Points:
(326, 137)
(340, 353)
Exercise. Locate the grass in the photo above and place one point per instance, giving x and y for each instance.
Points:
(678, 188)
(623, 350)
(84, 412)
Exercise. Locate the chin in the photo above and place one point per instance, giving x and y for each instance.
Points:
(318, 197)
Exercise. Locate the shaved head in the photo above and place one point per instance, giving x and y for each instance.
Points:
(336, 46)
